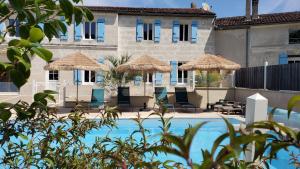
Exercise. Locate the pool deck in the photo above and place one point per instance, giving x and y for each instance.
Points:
(146, 114)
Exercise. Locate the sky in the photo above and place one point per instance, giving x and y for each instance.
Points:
(223, 8)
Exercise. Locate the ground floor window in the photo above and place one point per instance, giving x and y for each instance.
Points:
(148, 78)
(89, 76)
(293, 59)
(53, 75)
(6, 84)
(182, 76)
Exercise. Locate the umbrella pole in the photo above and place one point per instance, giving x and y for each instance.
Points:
(77, 87)
(207, 89)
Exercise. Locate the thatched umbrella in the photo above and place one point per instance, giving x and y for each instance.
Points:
(76, 61)
(144, 64)
(209, 62)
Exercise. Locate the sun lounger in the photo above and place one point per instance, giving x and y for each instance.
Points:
(182, 98)
(161, 97)
(97, 100)
(124, 97)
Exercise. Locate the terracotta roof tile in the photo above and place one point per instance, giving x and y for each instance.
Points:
(265, 19)
(192, 12)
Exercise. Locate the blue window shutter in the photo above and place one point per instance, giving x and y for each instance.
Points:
(173, 75)
(64, 36)
(158, 78)
(100, 30)
(17, 28)
(157, 31)
(175, 36)
(2, 28)
(139, 30)
(77, 32)
(194, 31)
(77, 76)
(41, 25)
(100, 75)
(283, 58)
(138, 80)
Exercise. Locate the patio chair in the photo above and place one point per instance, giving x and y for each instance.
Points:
(161, 96)
(97, 100)
(182, 98)
(124, 97)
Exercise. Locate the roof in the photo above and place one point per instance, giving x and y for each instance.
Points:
(264, 19)
(190, 12)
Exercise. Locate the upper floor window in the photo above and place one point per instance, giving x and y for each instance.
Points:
(182, 75)
(89, 76)
(16, 24)
(184, 32)
(148, 31)
(294, 37)
(90, 30)
(293, 59)
(148, 78)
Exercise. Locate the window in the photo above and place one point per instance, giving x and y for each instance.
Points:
(148, 78)
(294, 37)
(182, 75)
(184, 32)
(6, 84)
(90, 30)
(89, 76)
(16, 24)
(53, 75)
(148, 31)
(293, 59)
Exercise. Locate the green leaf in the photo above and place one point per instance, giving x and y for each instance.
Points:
(89, 15)
(293, 102)
(40, 96)
(36, 34)
(22, 136)
(42, 53)
(17, 4)
(18, 78)
(67, 7)
(12, 52)
(5, 114)
(24, 31)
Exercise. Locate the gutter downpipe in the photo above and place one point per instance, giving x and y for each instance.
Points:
(247, 46)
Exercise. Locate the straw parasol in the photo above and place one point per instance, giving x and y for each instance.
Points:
(76, 61)
(209, 62)
(145, 64)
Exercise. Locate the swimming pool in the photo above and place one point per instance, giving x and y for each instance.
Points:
(203, 140)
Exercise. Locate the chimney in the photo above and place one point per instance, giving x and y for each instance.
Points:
(248, 10)
(255, 9)
(193, 5)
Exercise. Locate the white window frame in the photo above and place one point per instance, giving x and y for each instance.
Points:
(183, 33)
(90, 77)
(90, 30)
(182, 73)
(148, 75)
(148, 31)
(49, 72)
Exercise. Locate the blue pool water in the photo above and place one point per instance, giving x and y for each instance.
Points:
(203, 140)
(280, 115)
